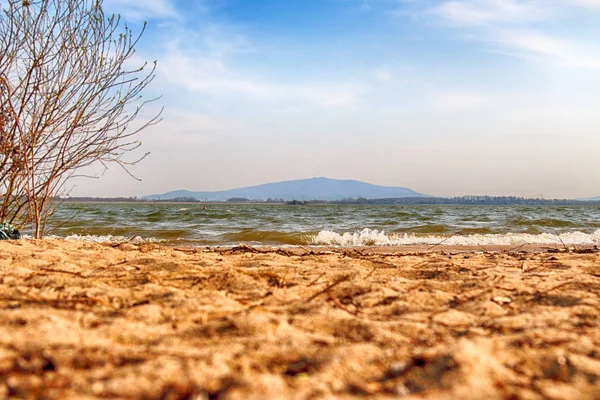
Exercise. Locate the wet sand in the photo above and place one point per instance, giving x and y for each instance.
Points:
(85, 321)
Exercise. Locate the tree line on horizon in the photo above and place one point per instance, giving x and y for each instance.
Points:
(459, 200)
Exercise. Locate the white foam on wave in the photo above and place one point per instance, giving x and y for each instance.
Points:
(368, 237)
(111, 239)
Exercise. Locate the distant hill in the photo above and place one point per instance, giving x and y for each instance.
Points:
(304, 189)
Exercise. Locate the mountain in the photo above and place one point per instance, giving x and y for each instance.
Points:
(303, 189)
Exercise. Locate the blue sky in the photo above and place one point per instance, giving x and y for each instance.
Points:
(456, 97)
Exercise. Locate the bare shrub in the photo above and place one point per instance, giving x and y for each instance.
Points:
(68, 97)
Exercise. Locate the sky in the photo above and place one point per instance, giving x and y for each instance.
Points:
(446, 97)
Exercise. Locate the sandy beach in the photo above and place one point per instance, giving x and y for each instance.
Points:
(85, 321)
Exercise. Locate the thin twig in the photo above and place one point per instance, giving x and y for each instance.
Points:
(318, 277)
(440, 243)
(370, 273)
(337, 282)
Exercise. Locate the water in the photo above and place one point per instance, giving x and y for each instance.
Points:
(339, 225)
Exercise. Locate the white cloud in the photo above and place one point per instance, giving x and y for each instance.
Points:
(533, 44)
(463, 13)
(485, 12)
(523, 28)
(479, 13)
(210, 75)
(142, 10)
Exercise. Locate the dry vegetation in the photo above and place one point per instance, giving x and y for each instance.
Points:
(80, 320)
(69, 99)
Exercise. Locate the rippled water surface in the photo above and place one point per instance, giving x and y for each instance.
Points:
(344, 225)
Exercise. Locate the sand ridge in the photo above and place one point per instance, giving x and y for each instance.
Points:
(81, 320)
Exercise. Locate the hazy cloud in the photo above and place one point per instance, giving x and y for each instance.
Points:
(586, 3)
(533, 44)
(211, 74)
(382, 75)
(486, 12)
(142, 10)
(523, 28)
(458, 101)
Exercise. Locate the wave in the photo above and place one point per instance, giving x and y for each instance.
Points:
(541, 222)
(365, 237)
(368, 237)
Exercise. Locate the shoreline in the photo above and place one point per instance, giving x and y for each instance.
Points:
(297, 249)
(82, 320)
(402, 249)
